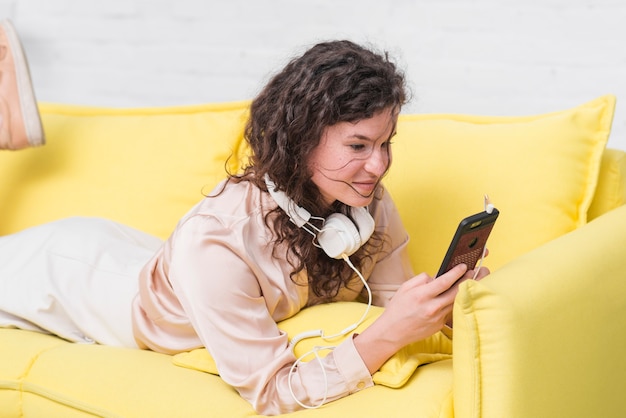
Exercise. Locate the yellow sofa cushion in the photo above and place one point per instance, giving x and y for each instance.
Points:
(394, 373)
(52, 378)
(43, 376)
(540, 171)
(142, 167)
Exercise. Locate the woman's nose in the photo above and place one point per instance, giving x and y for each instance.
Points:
(378, 162)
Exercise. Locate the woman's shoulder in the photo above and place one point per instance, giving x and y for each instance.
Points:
(230, 203)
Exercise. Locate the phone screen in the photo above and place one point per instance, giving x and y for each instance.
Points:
(469, 241)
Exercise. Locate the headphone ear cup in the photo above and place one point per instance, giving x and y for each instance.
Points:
(364, 222)
(339, 236)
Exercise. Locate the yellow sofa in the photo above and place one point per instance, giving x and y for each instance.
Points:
(542, 336)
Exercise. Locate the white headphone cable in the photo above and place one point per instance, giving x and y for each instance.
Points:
(367, 310)
(488, 208)
(316, 229)
(316, 349)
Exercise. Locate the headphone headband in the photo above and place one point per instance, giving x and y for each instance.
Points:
(297, 214)
(338, 236)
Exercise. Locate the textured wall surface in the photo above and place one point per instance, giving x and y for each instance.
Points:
(496, 57)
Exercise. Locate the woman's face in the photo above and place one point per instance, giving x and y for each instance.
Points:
(351, 158)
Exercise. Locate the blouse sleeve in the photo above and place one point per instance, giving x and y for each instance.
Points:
(393, 267)
(221, 288)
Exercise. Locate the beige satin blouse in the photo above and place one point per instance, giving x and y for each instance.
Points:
(215, 284)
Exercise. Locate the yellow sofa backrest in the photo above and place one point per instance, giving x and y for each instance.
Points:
(147, 167)
(141, 167)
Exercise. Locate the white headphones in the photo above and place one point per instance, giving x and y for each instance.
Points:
(338, 235)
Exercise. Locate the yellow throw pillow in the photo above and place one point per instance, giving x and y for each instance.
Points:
(144, 167)
(540, 172)
(394, 373)
(611, 189)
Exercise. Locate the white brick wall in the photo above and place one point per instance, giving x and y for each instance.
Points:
(500, 57)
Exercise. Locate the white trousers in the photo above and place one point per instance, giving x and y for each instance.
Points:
(75, 278)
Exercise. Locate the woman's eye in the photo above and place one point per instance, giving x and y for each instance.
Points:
(357, 147)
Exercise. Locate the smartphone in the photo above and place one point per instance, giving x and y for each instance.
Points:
(469, 241)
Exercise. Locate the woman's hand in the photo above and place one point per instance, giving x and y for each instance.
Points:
(419, 309)
(422, 305)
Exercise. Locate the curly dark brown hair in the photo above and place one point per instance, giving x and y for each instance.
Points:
(332, 82)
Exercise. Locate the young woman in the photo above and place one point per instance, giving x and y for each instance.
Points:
(251, 254)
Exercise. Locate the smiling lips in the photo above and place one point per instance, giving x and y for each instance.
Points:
(365, 188)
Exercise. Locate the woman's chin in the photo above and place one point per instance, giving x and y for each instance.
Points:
(357, 201)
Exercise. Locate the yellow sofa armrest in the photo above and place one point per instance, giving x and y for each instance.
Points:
(544, 336)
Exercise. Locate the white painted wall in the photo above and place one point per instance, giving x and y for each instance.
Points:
(497, 57)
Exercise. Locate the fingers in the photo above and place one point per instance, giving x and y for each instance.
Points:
(445, 285)
(448, 279)
(421, 279)
(424, 303)
(458, 277)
